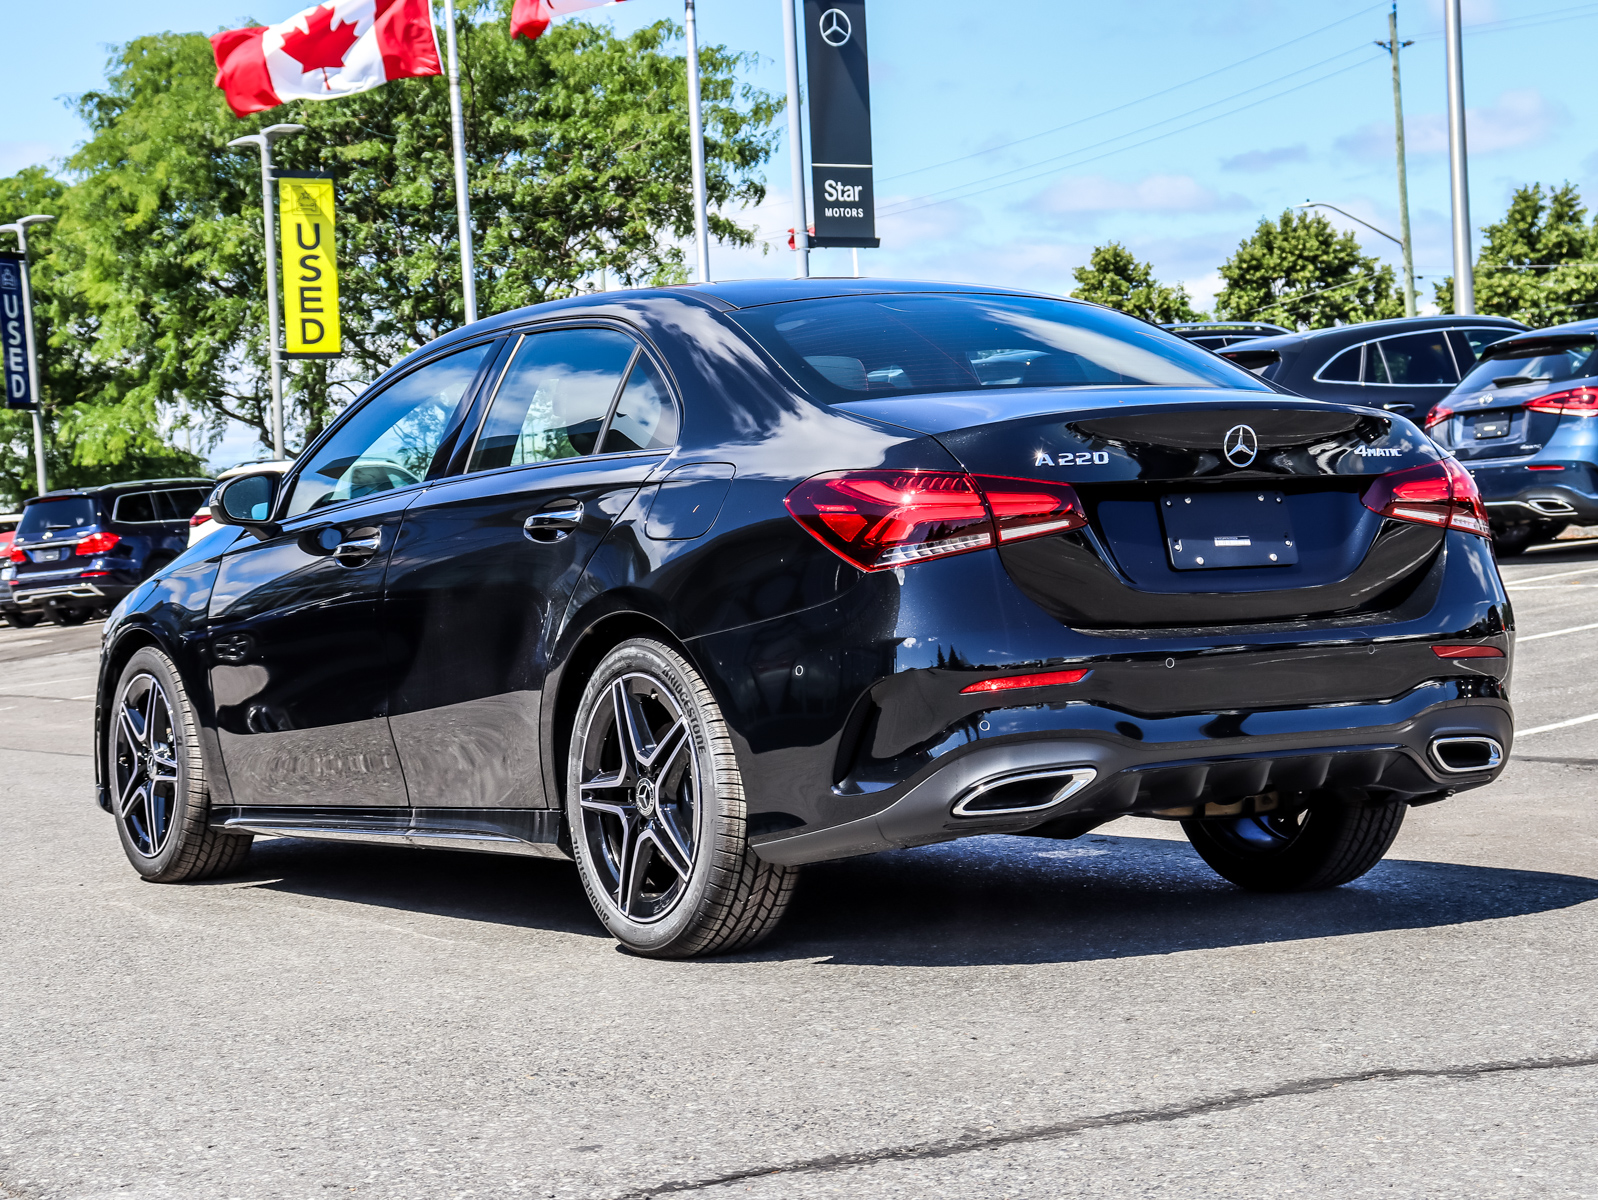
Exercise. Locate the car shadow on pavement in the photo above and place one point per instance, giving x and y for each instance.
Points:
(996, 900)
(985, 900)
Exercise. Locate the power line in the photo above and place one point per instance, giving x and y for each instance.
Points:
(1031, 137)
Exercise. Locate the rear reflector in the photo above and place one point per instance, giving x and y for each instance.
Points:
(1046, 679)
(1544, 467)
(1580, 402)
(92, 574)
(1467, 652)
(880, 519)
(1440, 493)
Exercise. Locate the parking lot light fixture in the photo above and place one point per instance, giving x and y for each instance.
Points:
(263, 142)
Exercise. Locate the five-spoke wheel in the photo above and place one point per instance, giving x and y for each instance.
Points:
(655, 805)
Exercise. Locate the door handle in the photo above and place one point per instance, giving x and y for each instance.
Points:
(357, 550)
(553, 524)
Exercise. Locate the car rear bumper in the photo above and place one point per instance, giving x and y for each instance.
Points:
(1109, 766)
(1537, 491)
(75, 594)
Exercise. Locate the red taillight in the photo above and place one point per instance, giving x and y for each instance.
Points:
(1440, 493)
(881, 519)
(96, 543)
(1046, 679)
(1467, 652)
(200, 518)
(1581, 402)
(19, 556)
(1438, 415)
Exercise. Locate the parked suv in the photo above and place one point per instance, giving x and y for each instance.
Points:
(1217, 335)
(80, 551)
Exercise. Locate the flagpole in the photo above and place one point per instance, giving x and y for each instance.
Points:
(796, 145)
(36, 381)
(696, 132)
(463, 202)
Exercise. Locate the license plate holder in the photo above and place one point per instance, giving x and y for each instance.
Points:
(1214, 530)
(1491, 426)
(47, 556)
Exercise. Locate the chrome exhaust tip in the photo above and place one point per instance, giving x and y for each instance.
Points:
(1023, 792)
(1551, 507)
(1465, 755)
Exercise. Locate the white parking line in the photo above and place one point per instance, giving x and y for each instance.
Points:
(1520, 733)
(1555, 575)
(1532, 637)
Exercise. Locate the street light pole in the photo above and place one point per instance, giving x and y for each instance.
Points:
(20, 228)
(463, 201)
(696, 132)
(263, 142)
(796, 145)
(1351, 217)
(1464, 272)
(1393, 46)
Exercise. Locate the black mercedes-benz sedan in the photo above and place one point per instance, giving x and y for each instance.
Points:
(1405, 365)
(697, 585)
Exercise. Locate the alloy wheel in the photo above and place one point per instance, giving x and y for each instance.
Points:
(145, 765)
(640, 797)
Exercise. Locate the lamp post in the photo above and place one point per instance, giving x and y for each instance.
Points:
(796, 145)
(20, 228)
(1458, 176)
(1403, 244)
(696, 132)
(463, 199)
(263, 142)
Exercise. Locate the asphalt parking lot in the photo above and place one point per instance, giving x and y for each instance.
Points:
(998, 1017)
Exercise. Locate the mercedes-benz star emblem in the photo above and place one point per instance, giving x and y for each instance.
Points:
(1240, 445)
(835, 27)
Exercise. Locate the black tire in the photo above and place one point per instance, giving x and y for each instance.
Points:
(68, 616)
(156, 776)
(22, 620)
(1335, 840)
(657, 821)
(1512, 542)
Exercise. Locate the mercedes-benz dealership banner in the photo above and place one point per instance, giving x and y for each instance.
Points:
(310, 276)
(14, 332)
(840, 124)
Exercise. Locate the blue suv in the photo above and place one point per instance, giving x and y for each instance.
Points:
(1522, 421)
(78, 552)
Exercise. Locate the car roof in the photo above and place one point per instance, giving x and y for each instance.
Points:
(1218, 326)
(1569, 329)
(112, 488)
(1366, 331)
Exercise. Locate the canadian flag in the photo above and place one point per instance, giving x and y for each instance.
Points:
(332, 49)
(529, 18)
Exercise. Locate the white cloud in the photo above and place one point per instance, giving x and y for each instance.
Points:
(1152, 193)
(16, 155)
(1255, 161)
(1521, 117)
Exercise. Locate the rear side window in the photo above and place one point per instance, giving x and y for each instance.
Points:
(1479, 339)
(645, 418)
(53, 516)
(1414, 360)
(181, 503)
(1344, 368)
(137, 508)
(554, 398)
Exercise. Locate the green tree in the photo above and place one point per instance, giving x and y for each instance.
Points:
(1301, 273)
(1539, 264)
(89, 438)
(578, 153)
(1115, 278)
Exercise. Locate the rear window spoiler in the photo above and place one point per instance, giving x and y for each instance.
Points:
(1513, 347)
(1251, 360)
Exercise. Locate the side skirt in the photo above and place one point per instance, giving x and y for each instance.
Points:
(531, 832)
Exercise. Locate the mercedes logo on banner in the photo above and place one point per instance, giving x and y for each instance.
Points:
(1240, 445)
(835, 27)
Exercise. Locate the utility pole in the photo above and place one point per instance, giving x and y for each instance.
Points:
(263, 142)
(1464, 270)
(20, 228)
(796, 145)
(696, 132)
(463, 200)
(1392, 45)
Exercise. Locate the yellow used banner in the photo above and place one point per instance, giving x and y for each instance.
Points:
(310, 274)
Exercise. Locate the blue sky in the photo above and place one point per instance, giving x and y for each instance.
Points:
(1012, 138)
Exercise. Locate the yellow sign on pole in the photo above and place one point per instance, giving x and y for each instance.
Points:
(310, 272)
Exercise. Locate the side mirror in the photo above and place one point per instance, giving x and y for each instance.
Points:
(246, 500)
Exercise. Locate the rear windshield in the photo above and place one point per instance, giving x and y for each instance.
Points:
(849, 348)
(49, 516)
(1543, 364)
